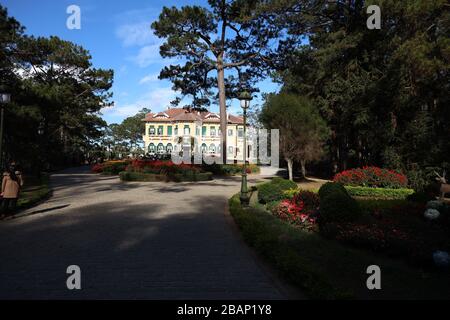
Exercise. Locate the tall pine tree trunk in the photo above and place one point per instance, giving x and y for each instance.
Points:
(223, 107)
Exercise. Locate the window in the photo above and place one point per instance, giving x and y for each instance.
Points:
(187, 130)
(212, 148)
(169, 130)
(197, 131)
(176, 130)
(169, 148)
(204, 147)
(160, 130)
(230, 149)
(241, 132)
(151, 130)
(230, 132)
(160, 148)
(212, 131)
(151, 148)
(203, 131)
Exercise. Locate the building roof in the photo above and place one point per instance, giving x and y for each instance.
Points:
(186, 115)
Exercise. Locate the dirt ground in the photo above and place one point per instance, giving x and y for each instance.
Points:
(311, 183)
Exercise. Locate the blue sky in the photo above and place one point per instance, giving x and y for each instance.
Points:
(118, 36)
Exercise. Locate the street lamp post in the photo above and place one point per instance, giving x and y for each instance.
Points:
(40, 132)
(4, 99)
(245, 99)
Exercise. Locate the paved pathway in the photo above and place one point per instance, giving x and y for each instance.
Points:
(131, 240)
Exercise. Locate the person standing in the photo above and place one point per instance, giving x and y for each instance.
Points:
(11, 184)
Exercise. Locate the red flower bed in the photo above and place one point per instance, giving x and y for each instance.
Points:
(372, 177)
(97, 168)
(301, 210)
(110, 167)
(161, 167)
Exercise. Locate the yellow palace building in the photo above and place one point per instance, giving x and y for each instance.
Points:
(164, 129)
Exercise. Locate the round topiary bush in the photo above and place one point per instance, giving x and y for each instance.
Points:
(331, 187)
(338, 207)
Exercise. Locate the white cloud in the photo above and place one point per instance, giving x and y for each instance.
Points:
(153, 77)
(148, 55)
(156, 100)
(137, 34)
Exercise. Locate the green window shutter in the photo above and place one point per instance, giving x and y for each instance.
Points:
(169, 130)
(203, 131)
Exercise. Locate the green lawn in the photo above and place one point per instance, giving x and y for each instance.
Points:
(325, 269)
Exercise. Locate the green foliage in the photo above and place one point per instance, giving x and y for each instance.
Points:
(114, 167)
(125, 137)
(274, 190)
(302, 130)
(336, 205)
(303, 259)
(331, 187)
(420, 197)
(383, 93)
(229, 169)
(265, 234)
(58, 91)
(379, 193)
(177, 177)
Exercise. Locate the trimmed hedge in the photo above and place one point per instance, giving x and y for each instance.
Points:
(267, 235)
(229, 169)
(177, 177)
(274, 190)
(336, 205)
(379, 193)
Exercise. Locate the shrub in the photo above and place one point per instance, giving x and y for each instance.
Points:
(379, 193)
(161, 167)
(229, 169)
(274, 190)
(372, 177)
(301, 210)
(112, 167)
(178, 177)
(420, 197)
(139, 176)
(329, 188)
(336, 205)
(263, 232)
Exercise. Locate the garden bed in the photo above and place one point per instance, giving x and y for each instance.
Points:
(114, 167)
(163, 170)
(177, 177)
(332, 227)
